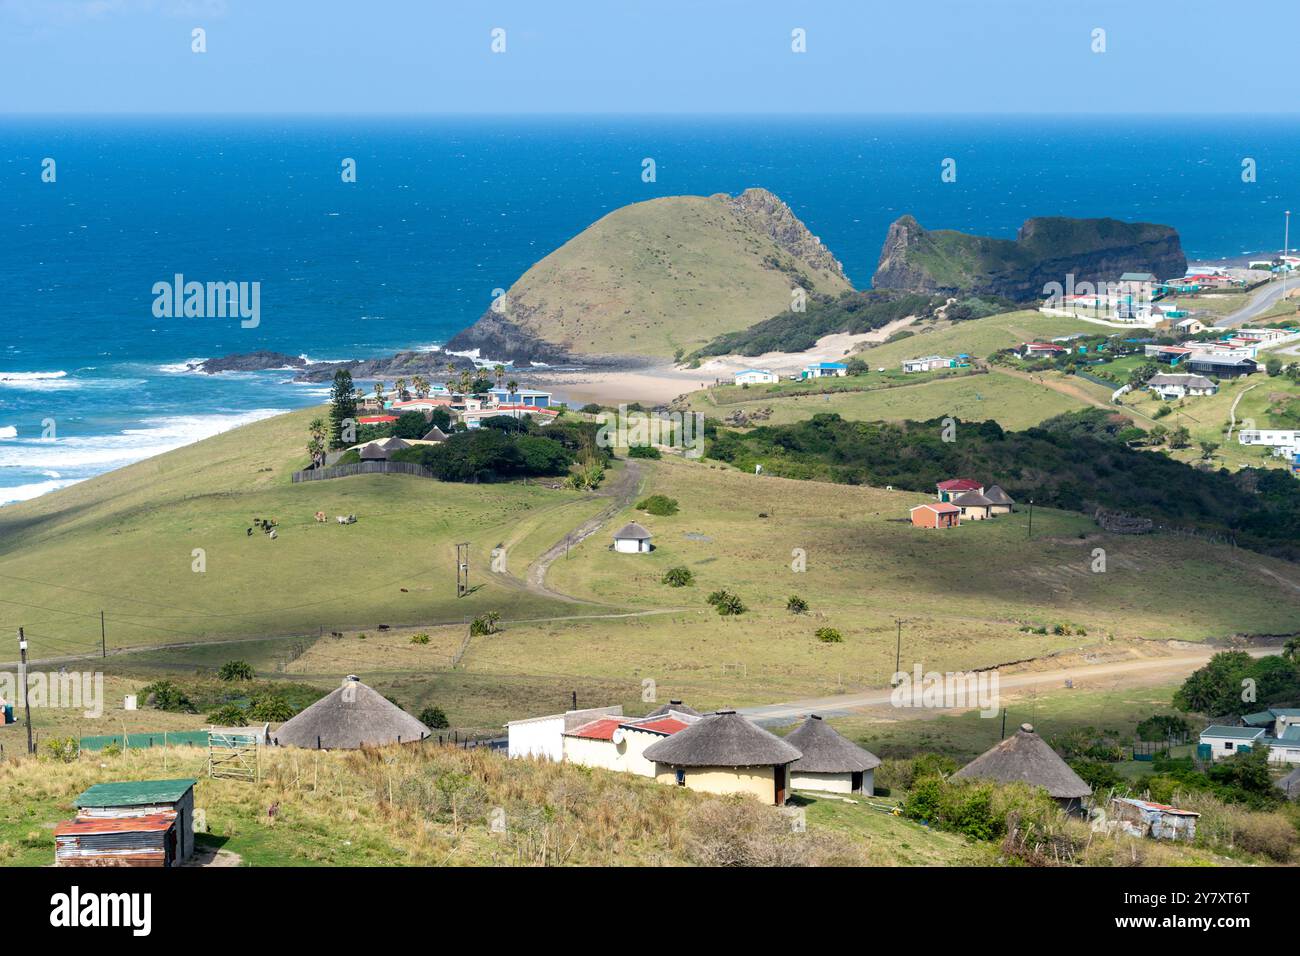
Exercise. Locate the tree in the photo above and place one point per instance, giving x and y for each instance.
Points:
(434, 718)
(421, 386)
(1291, 650)
(678, 577)
(270, 709)
(228, 715)
(379, 393)
(1208, 448)
(400, 386)
(499, 372)
(796, 605)
(512, 386)
(1180, 437)
(317, 433)
(343, 407)
(236, 670)
(1273, 366)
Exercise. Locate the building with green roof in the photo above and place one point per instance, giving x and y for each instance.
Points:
(142, 798)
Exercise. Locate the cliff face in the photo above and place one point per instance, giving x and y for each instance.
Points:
(657, 279)
(1045, 250)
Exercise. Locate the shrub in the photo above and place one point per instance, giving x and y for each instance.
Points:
(727, 603)
(62, 749)
(270, 708)
(236, 670)
(741, 832)
(678, 577)
(420, 638)
(644, 451)
(434, 718)
(485, 624)
(165, 695)
(660, 505)
(796, 605)
(228, 715)
(829, 635)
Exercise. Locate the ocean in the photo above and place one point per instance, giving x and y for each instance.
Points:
(445, 210)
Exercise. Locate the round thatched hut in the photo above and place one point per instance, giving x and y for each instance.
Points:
(663, 710)
(350, 717)
(830, 762)
(1026, 758)
(725, 753)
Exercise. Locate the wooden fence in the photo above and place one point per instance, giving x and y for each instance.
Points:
(364, 468)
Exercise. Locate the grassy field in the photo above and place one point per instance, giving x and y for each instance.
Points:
(978, 337)
(1013, 403)
(124, 542)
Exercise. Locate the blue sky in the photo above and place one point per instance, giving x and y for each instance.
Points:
(645, 56)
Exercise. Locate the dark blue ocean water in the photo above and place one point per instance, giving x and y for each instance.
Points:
(446, 210)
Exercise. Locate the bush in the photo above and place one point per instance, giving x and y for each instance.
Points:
(228, 715)
(644, 451)
(62, 749)
(270, 708)
(739, 831)
(485, 624)
(829, 635)
(236, 670)
(420, 638)
(165, 695)
(727, 603)
(678, 577)
(660, 505)
(434, 718)
(796, 605)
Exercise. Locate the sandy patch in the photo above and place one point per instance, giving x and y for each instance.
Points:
(661, 384)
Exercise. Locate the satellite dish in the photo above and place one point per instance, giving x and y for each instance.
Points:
(618, 736)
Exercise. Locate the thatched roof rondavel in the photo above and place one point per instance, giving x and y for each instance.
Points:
(825, 750)
(722, 739)
(1025, 757)
(349, 717)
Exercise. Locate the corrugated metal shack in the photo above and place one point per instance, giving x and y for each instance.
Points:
(130, 812)
(124, 841)
(1146, 819)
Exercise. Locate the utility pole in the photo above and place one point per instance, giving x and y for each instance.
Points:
(22, 681)
(462, 569)
(103, 637)
(1004, 724)
(1031, 517)
(898, 647)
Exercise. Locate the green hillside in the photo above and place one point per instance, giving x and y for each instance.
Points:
(657, 278)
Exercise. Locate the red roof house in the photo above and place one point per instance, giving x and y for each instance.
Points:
(936, 515)
(958, 486)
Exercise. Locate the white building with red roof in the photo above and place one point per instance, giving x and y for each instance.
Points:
(954, 487)
(598, 736)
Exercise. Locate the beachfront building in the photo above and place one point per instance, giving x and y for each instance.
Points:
(725, 753)
(825, 370)
(522, 396)
(474, 417)
(830, 762)
(755, 376)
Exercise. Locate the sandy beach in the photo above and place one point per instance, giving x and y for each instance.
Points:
(659, 384)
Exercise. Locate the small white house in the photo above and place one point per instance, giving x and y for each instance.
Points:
(755, 376)
(1177, 386)
(632, 539)
(1226, 741)
(1281, 440)
(544, 736)
(825, 370)
(928, 363)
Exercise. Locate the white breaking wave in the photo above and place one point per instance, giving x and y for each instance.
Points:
(34, 490)
(8, 431)
(104, 452)
(180, 368)
(26, 379)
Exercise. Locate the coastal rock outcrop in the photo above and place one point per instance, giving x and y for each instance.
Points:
(1045, 250)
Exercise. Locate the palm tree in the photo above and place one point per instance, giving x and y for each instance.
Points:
(499, 372)
(379, 393)
(512, 386)
(400, 385)
(421, 386)
(316, 441)
(1291, 650)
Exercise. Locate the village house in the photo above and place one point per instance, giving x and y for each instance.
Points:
(632, 539)
(1167, 354)
(1283, 441)
(1189, 326)
(974, 505)
(830, 762)
(1000, 503)
(1170, 387)
(725, 753)
(824, 370)
(935, 515)
(1142, 818)
(755, 376)
(957, 486)
(544, 736)
(619, 743)
(136, 823)
(928, 363)
(1038, 350)
(350, 717)
(1219, 741)
(474, 417)
(1025, 757)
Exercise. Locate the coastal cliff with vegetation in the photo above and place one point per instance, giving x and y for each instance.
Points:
(656, 280)
(1047, 249)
